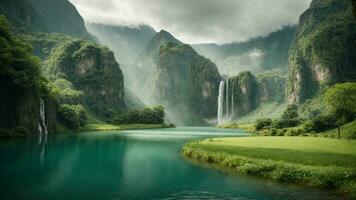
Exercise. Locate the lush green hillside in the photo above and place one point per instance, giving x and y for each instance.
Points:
(21, 86)
(186, 84)
(49, 16)
(323, 52)
(83, 71)
(256, 55)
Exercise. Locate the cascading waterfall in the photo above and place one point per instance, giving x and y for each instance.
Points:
(232, 100)
(221, 102)
(227, 98)
(42, 128)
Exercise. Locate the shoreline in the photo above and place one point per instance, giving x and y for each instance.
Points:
(330, 178)
(92, 128)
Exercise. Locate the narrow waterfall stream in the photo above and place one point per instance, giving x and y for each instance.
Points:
(42, 127)
(221, 102)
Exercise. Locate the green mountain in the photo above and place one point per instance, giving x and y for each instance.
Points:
(21, 86)
(49, 16)
(88, 66)
(256, 55)
(79, 77)
(324, 50)
(147, 62)
(186, 84)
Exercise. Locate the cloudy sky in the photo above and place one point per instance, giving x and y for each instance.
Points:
(198, 21)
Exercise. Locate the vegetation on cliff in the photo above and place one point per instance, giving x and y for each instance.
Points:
(21, 83)
(186, 82)
(322, 53)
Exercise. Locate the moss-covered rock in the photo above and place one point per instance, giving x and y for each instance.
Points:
(186, 83)
(324, 50)
(93, 71)
(250, 91)
(245, 91)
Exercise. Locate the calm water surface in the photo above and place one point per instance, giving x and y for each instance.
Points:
(144, 164)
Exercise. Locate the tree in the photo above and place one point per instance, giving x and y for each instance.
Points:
(291, 112)
(341, 98)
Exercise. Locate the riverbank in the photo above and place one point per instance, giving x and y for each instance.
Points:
(6, 134)
(110, 127)
(318, 162)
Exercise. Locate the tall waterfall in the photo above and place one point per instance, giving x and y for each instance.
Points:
(42, 128)
(227, 98)
(232, 101)
(221, 102)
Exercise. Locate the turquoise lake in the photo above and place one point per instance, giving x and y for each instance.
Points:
(140, 164)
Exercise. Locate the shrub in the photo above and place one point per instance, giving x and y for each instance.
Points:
(262, 123)
(285, 123)
(153, 115)
(291, 112)
(73, 116)
(319, 124)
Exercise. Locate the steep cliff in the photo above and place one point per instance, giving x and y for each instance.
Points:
(186, 84)
(91, 69)
(49, 16)
(147, 64)
(323, 52)
(244, 89)
(245, 92)
(21, 87)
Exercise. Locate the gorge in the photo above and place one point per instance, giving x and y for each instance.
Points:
(177, 99)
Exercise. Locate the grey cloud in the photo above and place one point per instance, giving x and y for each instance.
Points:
(197, 21)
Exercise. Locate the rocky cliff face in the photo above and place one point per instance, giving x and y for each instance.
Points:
(92, 69)
(246, 91)
(146, 65)
(49, 16)
(322, 53)
(186, 84)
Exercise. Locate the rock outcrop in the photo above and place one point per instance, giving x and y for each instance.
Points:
(92, 69)
(323, 52)
(186, 84)
(246, 91)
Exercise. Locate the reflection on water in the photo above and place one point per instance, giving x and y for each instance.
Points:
(126, 165)
(42, 143)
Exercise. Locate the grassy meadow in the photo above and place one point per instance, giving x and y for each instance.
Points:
(320, 162)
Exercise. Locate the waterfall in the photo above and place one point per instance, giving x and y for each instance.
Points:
(42, 128)
(221, 102)
(232, 101)
(227, 98)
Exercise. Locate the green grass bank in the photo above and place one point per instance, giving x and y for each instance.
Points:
(318, 162)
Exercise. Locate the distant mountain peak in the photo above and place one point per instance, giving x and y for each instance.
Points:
(163, 37)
